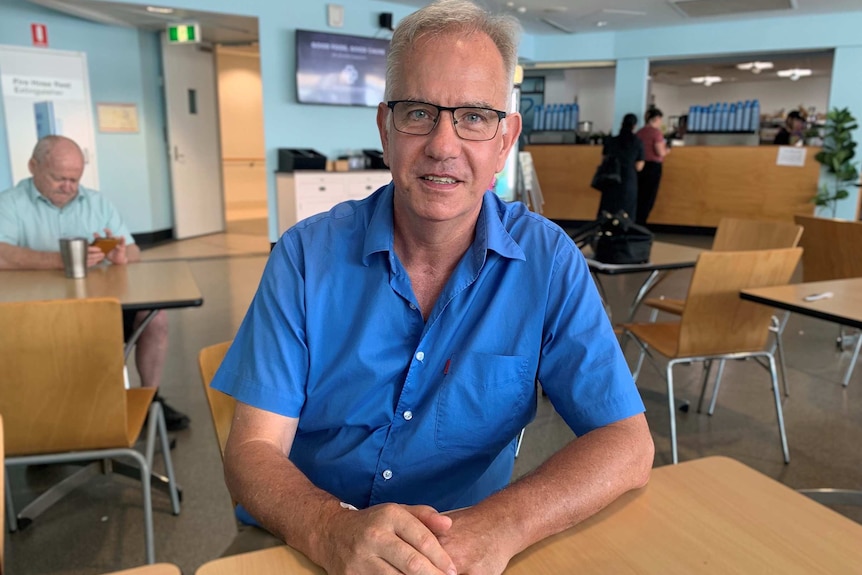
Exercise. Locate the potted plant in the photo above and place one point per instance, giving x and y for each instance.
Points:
(836, 156)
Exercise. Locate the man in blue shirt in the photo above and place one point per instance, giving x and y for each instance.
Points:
(388, 360)
(36, 213)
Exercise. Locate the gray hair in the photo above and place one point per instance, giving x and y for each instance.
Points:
(46, 145)
(460, 16)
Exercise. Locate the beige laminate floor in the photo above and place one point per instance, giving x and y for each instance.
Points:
(98, 528)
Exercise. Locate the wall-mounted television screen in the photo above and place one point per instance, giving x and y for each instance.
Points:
(340, 69)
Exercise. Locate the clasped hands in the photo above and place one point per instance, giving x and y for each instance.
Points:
(410, 540)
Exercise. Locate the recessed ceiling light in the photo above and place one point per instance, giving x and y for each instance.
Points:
(794, 73)
(601, 23)
(755, 67)
(510, 4)
(706, 80)
(521, 9)
(158, 10)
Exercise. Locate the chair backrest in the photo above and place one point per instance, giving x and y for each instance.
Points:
(734, 234)
(831, 249)
(221, 405)
(716, 320)
(61, 376)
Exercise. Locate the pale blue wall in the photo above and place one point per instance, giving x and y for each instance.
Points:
(847, 92)
(332, 129)
(120, 61)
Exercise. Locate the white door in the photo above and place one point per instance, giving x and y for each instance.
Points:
(193, 140)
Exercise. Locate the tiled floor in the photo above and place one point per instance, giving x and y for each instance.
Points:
(98, 528)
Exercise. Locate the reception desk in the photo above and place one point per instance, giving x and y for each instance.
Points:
(700, 184)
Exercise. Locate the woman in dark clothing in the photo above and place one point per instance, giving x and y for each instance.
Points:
(629, 151)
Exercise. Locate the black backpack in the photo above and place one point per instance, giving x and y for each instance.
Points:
(615, 239)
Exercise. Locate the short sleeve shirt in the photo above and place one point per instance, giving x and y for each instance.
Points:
(650, 137)
(394, 408)
(29, 220)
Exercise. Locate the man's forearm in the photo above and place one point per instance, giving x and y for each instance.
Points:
(575, 483)
(276, 493)
(17, 258)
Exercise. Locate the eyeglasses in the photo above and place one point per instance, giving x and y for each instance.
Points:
(419, 118)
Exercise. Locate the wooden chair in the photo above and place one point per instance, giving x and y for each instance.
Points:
(63, 398)
(735, 234)
(832, 253)
(716, 323)
(221, 405)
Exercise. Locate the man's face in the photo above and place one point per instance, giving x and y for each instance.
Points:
(57, 176)
(440, 177)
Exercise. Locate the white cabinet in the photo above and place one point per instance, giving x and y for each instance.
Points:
(304, 194)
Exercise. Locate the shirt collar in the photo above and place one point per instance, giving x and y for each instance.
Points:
(491, 233)
(36, 195)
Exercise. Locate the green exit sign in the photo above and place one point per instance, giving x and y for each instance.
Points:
(184, 33)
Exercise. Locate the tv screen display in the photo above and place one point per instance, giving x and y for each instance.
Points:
(340, 69)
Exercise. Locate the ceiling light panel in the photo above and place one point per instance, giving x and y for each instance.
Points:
(707, 8)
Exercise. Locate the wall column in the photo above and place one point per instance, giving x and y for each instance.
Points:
(630, 89)
(846, 92)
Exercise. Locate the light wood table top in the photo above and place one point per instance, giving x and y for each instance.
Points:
(155, 569)
(138, 286)
(663, 256)
(844, 307)
(711, 515)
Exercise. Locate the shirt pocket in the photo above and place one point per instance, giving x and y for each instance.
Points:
(480, 407)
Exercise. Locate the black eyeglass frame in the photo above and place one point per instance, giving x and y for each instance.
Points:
(440, 109)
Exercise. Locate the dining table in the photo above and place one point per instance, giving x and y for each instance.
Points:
(709, 515)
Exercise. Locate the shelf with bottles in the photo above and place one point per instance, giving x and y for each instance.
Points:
(556, 117)
(725, 117)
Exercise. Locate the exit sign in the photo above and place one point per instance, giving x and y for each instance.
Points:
(184, 33)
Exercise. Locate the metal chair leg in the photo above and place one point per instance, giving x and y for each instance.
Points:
(672, 412)
(11, 517)
(778, 345)
(707, 367)
(520, 440)
(773, 371)
(853, 361)
(715, 387)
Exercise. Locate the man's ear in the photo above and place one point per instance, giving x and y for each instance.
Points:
(382, 115)
(510, 138)
(31, 165)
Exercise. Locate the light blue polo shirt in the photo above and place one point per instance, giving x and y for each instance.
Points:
(29, 220)
(393, 408)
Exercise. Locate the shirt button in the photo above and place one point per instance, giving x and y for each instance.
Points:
(420, 355)
(387, 475)
(408, 415)
(412, 306)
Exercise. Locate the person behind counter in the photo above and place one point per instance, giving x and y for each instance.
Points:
(655, 149)
(629, 151)
(792, 132)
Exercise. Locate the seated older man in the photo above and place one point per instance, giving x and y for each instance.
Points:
(36, 213)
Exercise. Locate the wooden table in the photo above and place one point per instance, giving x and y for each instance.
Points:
(155, 569)
(711, 515)
(664, 258)
(138, 286)
(845, 308)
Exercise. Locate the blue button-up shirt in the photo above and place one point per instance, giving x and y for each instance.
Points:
(29, 220)
(393, 408)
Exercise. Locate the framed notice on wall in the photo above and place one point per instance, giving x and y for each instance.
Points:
(117, 118)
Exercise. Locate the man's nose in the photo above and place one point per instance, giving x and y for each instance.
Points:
(444, 141)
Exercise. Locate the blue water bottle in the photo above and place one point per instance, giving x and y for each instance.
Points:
(576, 113)
(537, 117)
(755, 116)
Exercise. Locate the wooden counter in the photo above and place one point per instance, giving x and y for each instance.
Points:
(700, 184)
